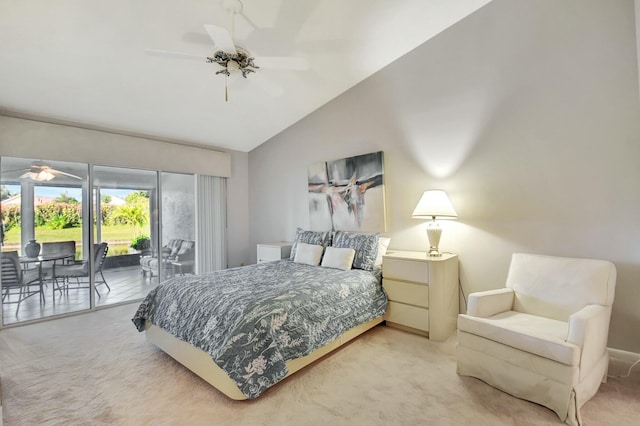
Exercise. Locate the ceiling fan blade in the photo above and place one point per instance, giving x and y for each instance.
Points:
(171, 54)
(58, 172)
(221, 38)
(282, 62)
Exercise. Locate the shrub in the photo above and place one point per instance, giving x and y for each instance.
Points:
(58, 215)
(107, 214)
(10, 217)
(131, 214)
(141, 242)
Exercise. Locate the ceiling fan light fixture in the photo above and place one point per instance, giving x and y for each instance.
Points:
(229, 62)
(41, 176)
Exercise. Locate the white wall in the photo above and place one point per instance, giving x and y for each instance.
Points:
(526, 113)
(28, 138)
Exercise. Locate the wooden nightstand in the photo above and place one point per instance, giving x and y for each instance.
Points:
(269, 252)
(422, 291)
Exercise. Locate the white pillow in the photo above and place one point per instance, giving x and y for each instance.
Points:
(308, 253)
(383, 244)
(339, 258)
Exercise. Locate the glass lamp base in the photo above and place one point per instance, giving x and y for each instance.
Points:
(434, 232)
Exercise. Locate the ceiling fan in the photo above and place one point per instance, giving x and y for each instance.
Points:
(41, 173)
(232, 58)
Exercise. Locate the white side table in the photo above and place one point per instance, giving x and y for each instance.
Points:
(268, 252)
(422, 291)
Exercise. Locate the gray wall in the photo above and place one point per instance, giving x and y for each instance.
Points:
(526, 112)
(239, 249)
(637, 6)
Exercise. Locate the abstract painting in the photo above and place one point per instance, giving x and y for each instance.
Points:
(348, 194)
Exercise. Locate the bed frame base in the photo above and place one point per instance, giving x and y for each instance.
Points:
(200, 362)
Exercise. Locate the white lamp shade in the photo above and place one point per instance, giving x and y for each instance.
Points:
(434, 203)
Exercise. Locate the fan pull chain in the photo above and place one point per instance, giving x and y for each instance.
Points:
(226, 92)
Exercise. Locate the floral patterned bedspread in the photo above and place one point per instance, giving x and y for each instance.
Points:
(253, 319)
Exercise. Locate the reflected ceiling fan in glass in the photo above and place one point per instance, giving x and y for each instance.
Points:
(41, 173)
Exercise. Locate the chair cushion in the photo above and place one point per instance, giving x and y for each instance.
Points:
(569, 374)
(30, 275)
(556, 287)
(174, 246)
(539, 335)
(185, 247)
(149, 262)
(78, 270)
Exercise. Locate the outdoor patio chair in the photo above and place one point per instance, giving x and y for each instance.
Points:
(63, 274)
(177, 253)
(58, 248)
(16, 281)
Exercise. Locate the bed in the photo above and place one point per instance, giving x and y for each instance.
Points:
(245, 329)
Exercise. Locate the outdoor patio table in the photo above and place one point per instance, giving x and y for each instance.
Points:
(26, 261)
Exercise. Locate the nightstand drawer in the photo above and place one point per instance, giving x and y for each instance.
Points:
(409, 316)
(413, 294)
(408, 270)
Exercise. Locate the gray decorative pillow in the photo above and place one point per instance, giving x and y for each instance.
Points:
(365, 245)
(310, 237)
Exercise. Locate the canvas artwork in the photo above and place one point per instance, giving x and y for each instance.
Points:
(348, 194)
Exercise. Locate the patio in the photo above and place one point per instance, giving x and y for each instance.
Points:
(127, 284)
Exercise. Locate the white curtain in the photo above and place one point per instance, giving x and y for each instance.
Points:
(211, 220)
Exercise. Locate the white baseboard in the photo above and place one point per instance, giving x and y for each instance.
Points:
(620, 361)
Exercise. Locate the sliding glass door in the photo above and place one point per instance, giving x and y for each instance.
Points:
(45, 226)
(125, 218)
(78, 236)
(84, 237)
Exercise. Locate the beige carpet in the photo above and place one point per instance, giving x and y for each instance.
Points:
(97, 369)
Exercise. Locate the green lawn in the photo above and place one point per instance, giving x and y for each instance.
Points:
(119, 236)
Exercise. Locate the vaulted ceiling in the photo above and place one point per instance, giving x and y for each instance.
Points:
(83, 62)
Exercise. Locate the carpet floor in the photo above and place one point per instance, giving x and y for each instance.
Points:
(96, 369)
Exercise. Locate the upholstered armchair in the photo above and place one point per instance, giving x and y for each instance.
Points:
(543, 337)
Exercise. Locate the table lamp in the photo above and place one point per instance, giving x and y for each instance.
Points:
(433, 204)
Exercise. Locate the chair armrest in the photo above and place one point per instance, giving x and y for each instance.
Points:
(488, 303)
(589, 329)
